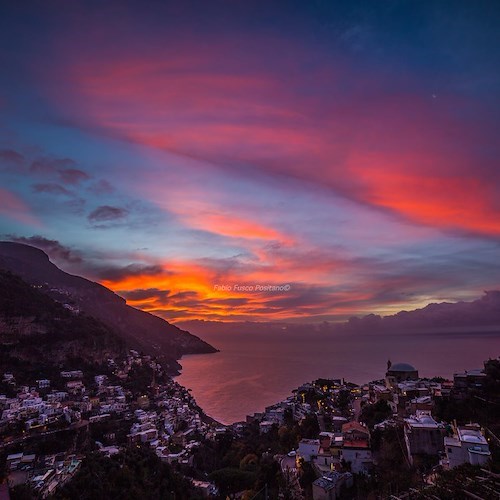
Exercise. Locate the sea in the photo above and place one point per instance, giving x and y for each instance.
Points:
(257, 369)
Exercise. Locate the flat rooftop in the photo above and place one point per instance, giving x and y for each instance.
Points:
(471, 436)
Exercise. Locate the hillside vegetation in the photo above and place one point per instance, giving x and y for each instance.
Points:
(37, 332)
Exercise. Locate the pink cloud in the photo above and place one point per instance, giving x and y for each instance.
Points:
(13, 207)
(348, 133)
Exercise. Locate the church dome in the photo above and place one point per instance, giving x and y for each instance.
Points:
(402, 367)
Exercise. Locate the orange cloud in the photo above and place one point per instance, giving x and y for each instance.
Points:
(319, 284)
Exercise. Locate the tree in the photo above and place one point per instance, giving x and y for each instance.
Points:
(343, 402)
(134, 473)
(288, 417)
(249, 462)
(288, 438)
(307, 475)
(372, 414)
(309, 427)
(231, 480)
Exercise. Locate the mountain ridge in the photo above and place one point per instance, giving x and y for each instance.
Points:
(140, 329)
(480, 314)
(484, 311)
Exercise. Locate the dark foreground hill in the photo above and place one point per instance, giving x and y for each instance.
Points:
(138, 329)
(37, 333)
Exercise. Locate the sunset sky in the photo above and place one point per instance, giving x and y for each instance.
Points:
(349, 150)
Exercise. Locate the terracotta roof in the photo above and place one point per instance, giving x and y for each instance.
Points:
(356, 443)
(354, 426)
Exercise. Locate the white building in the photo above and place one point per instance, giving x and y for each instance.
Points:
(423, 435)
(330, 486)
(100, 379)
(308, 449)
(265, 426)
(72, 374)
(468, 445)
(359, 458)
(356, 447)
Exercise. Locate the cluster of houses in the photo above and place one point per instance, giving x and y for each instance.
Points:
(345, 449)
(298, 406)
(413, 401)
(166, 418)
(44, 473)
(335, 457)
(63, 400)
(275, 414)
(349, 448)
(335, 454)
(39, 407)
(172, 428)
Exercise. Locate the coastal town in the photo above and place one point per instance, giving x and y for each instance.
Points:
(329, 439)
(249, 250)
(162, 415)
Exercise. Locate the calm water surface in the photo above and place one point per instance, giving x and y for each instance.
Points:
(255, 370)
